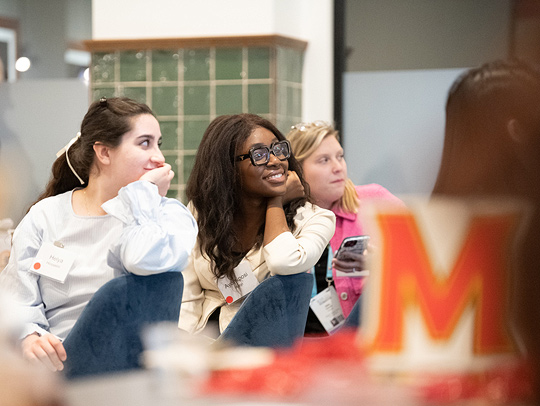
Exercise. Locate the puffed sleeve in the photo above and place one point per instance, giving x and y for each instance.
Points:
(158, 234)
(22, 284)
(290, 253)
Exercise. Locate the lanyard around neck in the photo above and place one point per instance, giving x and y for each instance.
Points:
(329, 275)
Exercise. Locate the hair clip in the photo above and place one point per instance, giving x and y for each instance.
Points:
(103, 101)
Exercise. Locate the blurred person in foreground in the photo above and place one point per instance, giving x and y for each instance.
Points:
(492, 149)
(22, 383)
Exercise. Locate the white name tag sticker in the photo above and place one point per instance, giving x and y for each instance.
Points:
(53, 262)
(246, 283)
(326, 307)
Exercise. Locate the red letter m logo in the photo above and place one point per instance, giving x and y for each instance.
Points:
(478, 278)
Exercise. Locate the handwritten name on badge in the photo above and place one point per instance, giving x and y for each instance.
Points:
(53, 261)
(246, 283)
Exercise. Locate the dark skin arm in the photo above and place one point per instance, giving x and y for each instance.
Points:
(276, 222)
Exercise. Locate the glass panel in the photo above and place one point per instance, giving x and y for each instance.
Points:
(193, 132)
(173, 161)
(295, 60)
(169, 133)
(229, 63)
(289, 64)
(164, 65)
(282, 66)
(108, 92)
(259, 63)
(132, 66)
(165, 100)
(135, 93)
(189, 160)
(285, 125)
(197, 64)
(197, 100)
(259, 99)
(228, 99)
(172, 193)
(103, 67)
(182, 195)
(282, 100)
(296, 106)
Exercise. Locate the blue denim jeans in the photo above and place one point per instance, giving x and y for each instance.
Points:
(274, 314)
(106, 338)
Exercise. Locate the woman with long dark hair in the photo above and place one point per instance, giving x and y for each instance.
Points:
(254, 215)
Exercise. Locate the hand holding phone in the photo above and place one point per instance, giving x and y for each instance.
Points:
(349, 259)
(357, 244)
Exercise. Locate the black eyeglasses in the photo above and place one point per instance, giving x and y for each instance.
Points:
(261, 155)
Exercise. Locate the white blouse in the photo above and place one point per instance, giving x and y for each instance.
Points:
(143, 233)
(289, 253)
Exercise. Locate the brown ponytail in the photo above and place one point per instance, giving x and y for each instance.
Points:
(106, 121)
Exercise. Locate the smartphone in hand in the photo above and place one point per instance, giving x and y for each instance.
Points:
(357, 244)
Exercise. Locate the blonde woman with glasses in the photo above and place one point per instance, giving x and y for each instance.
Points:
(316, 146)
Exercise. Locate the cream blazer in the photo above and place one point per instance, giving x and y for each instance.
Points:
(289, 253)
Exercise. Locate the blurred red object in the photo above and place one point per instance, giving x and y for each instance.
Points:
(292, 371)
(507, 383)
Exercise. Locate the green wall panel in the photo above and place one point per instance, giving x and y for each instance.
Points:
(188, 88)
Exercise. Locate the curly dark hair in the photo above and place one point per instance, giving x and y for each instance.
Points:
(214, 188)
(106, 121)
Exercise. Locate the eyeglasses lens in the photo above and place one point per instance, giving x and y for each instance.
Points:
(261, 155)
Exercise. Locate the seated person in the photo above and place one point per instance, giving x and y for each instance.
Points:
(255, 219)
(103, 213)
(317, 148)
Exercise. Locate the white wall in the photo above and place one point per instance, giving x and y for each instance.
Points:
(78, 17)
(309, 20)
(394, 123)
(37, 118)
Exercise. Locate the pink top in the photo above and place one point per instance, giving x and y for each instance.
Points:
(348, 224)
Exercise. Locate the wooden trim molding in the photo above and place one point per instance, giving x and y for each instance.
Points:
(9, 23)
(77, 45)
(194, 42)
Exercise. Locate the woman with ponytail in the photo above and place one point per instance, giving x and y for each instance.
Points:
(103, 213)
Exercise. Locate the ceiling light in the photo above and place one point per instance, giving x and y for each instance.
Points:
(22, 64)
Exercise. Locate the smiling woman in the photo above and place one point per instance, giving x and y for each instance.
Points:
(103, 214)
(254, 214)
